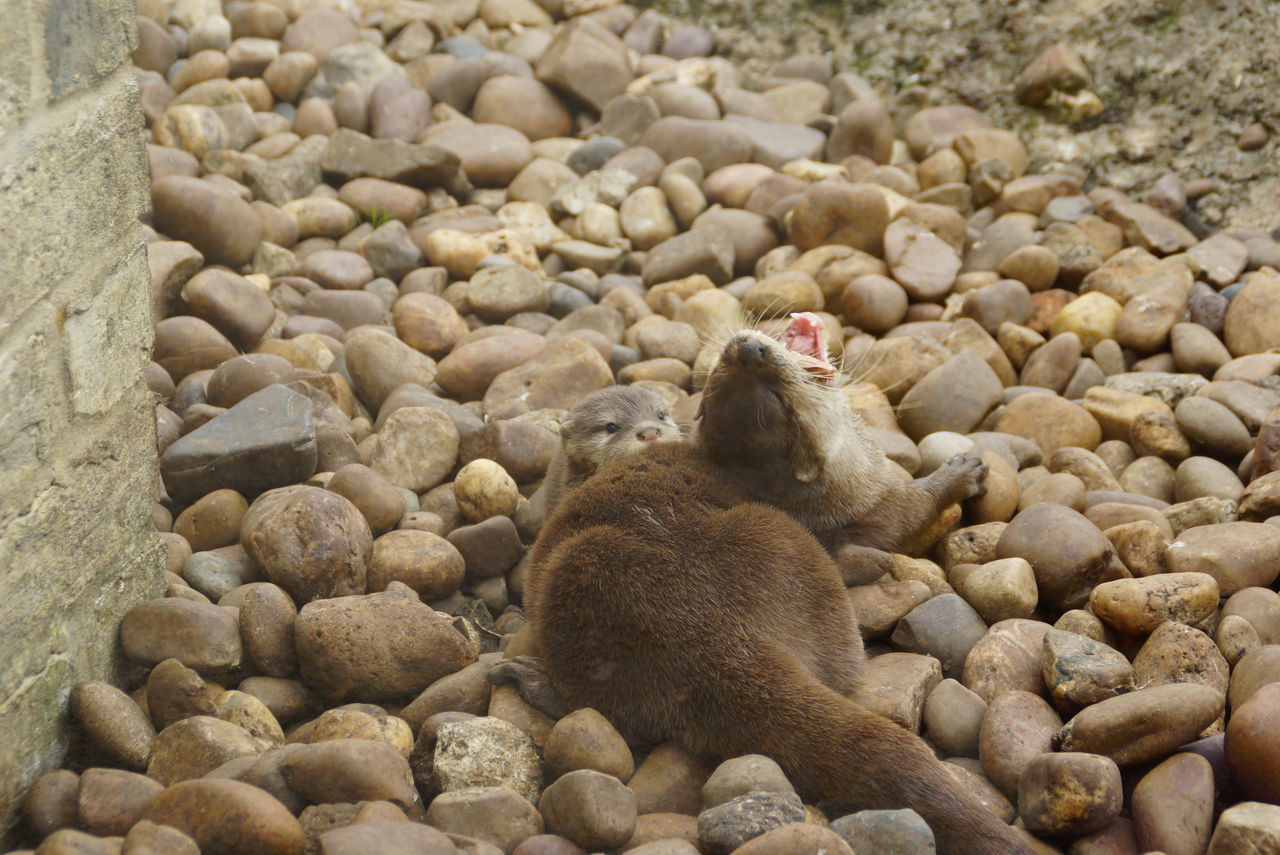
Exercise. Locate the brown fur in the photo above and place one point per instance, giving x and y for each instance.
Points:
(797, 444)
(667, 599)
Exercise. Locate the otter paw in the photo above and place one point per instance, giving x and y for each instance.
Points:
(970, 474)
(526, 675)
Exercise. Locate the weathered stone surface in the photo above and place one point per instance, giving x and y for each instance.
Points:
(1140, 605)
(309, 541)
(487, 752)
(726, 827)
(377, 646)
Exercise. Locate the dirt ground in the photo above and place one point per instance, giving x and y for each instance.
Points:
(1179, 80)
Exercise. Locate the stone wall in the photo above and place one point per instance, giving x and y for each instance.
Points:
(77, 436)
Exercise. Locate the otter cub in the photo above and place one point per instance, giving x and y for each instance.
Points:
(606, 426)
(774, 426)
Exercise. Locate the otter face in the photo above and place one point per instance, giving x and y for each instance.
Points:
(612, 424)
(763, 403)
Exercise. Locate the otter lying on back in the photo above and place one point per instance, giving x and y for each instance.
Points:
(666, 596)
(793, 441)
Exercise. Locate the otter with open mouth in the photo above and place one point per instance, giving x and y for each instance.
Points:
(773, 423)
(665, 594)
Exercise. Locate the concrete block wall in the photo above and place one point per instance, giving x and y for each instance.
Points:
(78, 476)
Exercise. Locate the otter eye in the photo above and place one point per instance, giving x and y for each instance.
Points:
(662, 417)
(611, 428)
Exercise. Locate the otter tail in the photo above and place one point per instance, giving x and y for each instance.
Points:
(835, 751)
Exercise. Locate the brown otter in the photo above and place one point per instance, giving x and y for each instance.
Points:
(665, 595)
(606, 426)
(772, 425)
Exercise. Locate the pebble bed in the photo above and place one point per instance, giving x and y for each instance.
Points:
(392, 245)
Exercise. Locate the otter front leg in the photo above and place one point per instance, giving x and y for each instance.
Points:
(908, 512)
(525, 674)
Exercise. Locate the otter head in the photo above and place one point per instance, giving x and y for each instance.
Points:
(614, 423)
(767, 405)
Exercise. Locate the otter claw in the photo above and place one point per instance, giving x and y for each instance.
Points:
(526, 675)
(972, 475)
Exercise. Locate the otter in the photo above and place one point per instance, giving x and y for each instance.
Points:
(665, 594)
(605, 426)
(772, 422)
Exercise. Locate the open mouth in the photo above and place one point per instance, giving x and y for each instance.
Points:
(806, 338)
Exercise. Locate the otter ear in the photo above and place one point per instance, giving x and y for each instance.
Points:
(566, 428)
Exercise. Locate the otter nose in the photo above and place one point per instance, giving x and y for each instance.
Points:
(750, 351)
(649, 434)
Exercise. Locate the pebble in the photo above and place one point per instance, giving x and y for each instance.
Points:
(311, 542)
(1172, 805)
(886, 832)
(193, 747)
(224, 816)
(487, 752)
(200, 635)
(265, 441)
(1017, 728)
(952, 718)
(496, 815)
(1236, 554)
(377, 646)
(1080, 671)
(945, 628)
(1069, 793)
(594, 810)
(584, 739)
(113, 723)
(1245, 826)
(1144, 725)
(1138, 606)
(1067, 553)
(1252, 746)
(1007, 658)
(726, 827)
(336, 771)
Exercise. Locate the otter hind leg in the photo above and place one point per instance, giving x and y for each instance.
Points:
(526, 675)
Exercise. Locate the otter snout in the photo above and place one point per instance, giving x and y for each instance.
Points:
(648, 434)
(746, 351)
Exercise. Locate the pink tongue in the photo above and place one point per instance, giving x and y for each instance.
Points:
(805, 336)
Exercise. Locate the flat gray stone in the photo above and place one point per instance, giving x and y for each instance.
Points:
(267, 440)
(353, 155)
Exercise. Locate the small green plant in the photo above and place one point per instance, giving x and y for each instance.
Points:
(376, 217)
